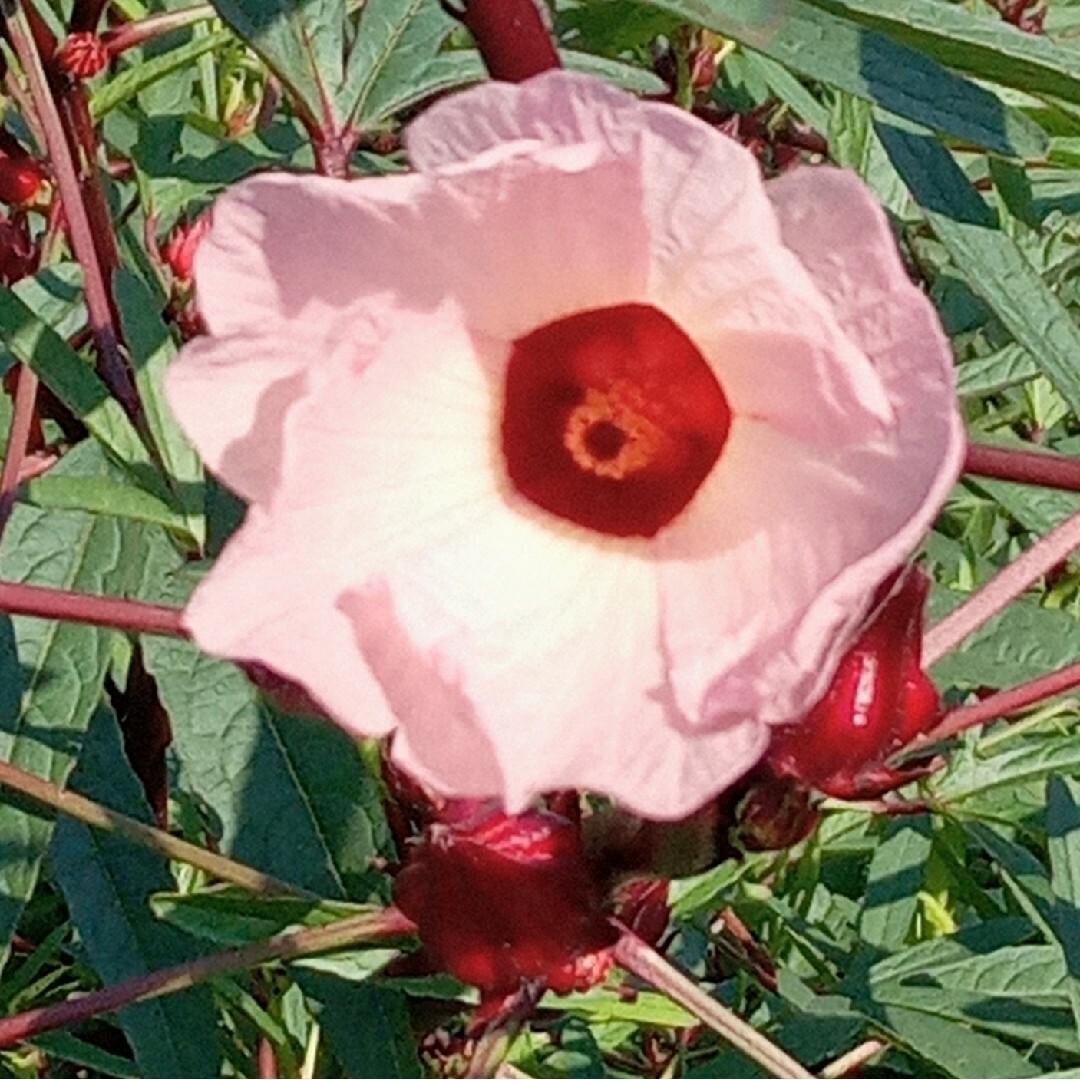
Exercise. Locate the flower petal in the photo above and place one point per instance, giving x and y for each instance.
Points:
(232, 395)
(264, 602)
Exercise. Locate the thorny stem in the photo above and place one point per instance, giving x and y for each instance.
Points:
(1041, 468)
(18, 440)
(1010, 582)
(512, 36)
(381, 926)
(172, 847)
(71, 189)
(646, 963)
(1003, 703)
(131, 615)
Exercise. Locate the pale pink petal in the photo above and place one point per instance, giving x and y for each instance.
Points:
(829, 219)
(231, 395)
(252, 609)
(522, 678)
(766, 578)
(275, 237)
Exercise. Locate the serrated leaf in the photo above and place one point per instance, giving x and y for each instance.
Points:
(991, 262)
(366, 1026)
(98, 495)
(972, 773)
(303, 43)
(62, 665)
(1025, 641)
(228, 915)
(867, 64)
(953, 1047)
(396, 42)
(1063, 841)
(1037, 509)
(107, 882)
(893, 882)
(74, 382)
(998, 371)
(291, 794)
(151, 348)
(988, 48)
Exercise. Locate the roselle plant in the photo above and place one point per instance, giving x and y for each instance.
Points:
(534, 538)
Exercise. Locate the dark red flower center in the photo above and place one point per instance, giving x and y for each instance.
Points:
(612, 419)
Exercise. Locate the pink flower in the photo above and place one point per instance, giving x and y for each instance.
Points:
(575, 455)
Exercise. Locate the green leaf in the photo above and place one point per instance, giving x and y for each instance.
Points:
(227, 915)
(366, 1026)
(998, 371)
(303, 43)
(151, 348)
(61, 666)
(107, 882)
(98, 495)
(863, 62)
(993, 264)
(988, 48)
(290, 794)
(1025, 641)
(74, 382)
(893, 883)
(396, 43)
(1063, 840)
(972, 773)
(134, 78)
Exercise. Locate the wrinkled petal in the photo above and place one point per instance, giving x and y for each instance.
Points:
(252, 609)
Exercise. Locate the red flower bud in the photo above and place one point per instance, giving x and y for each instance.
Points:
(183, 242)
(879, 700)
(502, 900)
(22, 180)
(775, 813)
(83, 55)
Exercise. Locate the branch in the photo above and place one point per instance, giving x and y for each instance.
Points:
(172, 847)
(18, 440)
(992, 598)
(646, 963)
(380, 926)
(1023, 466)
(131, 615)
(1002, 704)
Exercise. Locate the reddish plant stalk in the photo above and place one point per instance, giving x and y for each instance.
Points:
(131, 615)
(385, 925)
(1023, 466)
(1004, 703)
(18, 441)
(138, 32)
(512, 36)
(91, 234)
(992, 598)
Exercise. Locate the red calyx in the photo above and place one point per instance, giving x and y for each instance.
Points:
(83, 55)
(880, 699)
(501, 901)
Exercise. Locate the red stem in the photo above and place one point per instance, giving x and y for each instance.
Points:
(80, 195)
(130, 615)
(1023, 466)
(1003, 703)
(512, 37)
(380, 926)
(18, 441)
